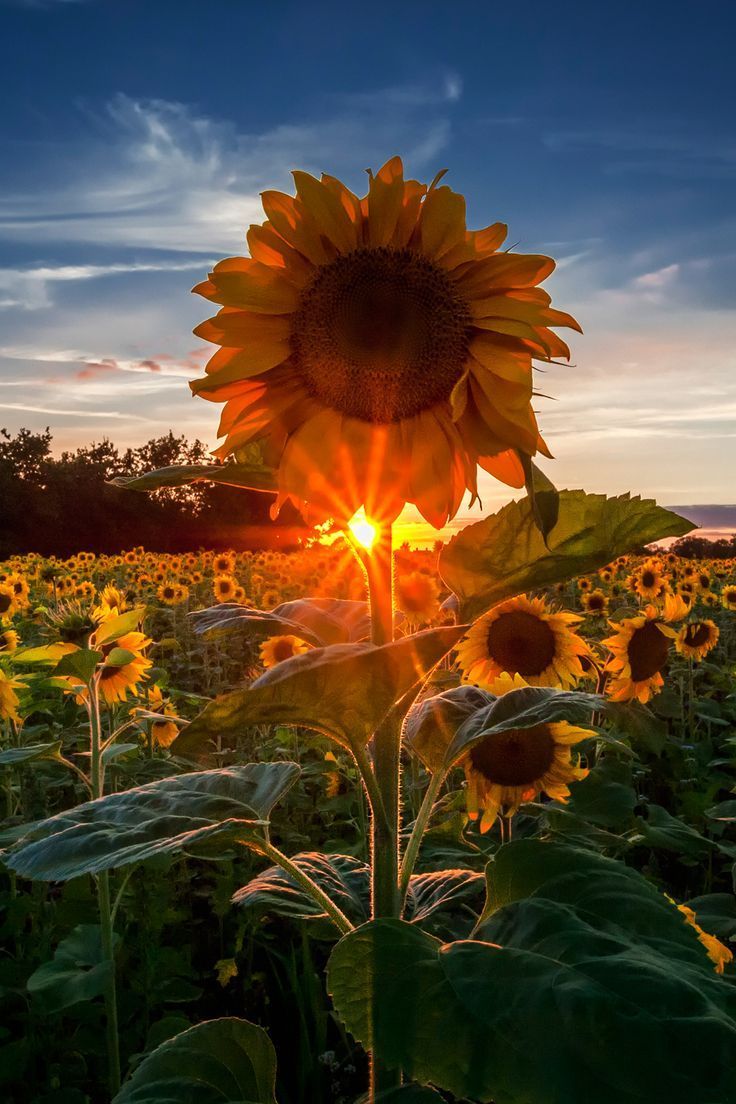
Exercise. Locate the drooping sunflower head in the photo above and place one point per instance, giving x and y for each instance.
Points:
(728, 597)
(9, 700)
(7, 600)
(378, 348)
(116, 680)
(505, 769)
(523, 637)
(417, 595)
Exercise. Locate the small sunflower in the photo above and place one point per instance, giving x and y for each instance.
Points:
(648, 581)
(728, 598)
(7, 600)
(170, 594)
(223, 563)
(116, 681)
(584, 584)
(508, 768)
(417, 595)
(278, 648)
(8, 640)
(639, 653)
(380, 348)
(112, 602)
(523, 636)
(224, 588)
(595, 603)
(696, 639)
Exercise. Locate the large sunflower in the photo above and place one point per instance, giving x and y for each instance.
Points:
(508, 768)
(523, 637)
(379, 348)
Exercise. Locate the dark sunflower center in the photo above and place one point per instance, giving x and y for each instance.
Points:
(380, 335)
(515, 758)
(5, 602)
(648, 650)
(648, 579)
(520, 642)
(731, 595)
(283, 649)
(697, 634)
(704, 581)
(596, 602)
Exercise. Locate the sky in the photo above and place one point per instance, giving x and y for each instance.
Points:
(137, 136)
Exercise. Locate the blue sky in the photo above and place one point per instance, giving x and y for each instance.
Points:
(137, 136)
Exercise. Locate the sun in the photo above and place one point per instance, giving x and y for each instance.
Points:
(362, 529)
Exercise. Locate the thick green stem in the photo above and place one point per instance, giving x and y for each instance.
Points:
(386, 900)
(336, 915)
(103, 900)
(417, 832)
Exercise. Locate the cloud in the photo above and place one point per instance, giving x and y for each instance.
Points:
(29, 288)
(156, 174)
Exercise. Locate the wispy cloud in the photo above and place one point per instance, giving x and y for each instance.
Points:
(156, 174)
(29, 288)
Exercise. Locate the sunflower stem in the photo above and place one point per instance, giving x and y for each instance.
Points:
(420, 825)
(335, 914)
(97, 776)
(386, 899)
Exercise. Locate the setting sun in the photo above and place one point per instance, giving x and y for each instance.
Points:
(363, 530)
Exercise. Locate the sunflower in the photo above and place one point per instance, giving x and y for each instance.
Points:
(508, 768)
(8, 697)
(696, 639)
(20, 589)
(639, 653)
(8, 640)
(163, 732)
(112, 602)
(116, 681)
(270, 598)
(584, 584)
(278, 648)
(7, 600)
(417, 595)
(168, 593)
(595, 602)
(223, 563)
(379, 348)
(728, 598)
(523, 636)
(648, 581)
(224, 588)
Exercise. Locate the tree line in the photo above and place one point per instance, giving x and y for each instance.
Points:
(58, 505)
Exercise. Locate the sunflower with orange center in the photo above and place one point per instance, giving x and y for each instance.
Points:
(506, 769)
(523, 637)
(378, 348)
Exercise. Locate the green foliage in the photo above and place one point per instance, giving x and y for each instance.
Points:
(12, 757)
(253, 477)
(225, 1061)
(569, 938)
(77, 972)
(169, 816)
(431, 900)
(505, 553)
(343, 691)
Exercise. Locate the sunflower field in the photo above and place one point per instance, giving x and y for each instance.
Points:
(364, 822)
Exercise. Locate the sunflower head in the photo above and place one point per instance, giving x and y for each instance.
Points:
(278, 648)
(523, 637)
(378, 347)
(697, 638)
(505, 769)
(640, 650)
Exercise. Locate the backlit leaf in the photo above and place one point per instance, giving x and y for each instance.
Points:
(166, 816)
(505, 554)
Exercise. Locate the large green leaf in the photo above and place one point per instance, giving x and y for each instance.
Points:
(505, 554)
(343, 691)
(319, 621)
(584, 984)
(77, 972)
(12, 757)
(431, 724)
(433, 899)
(166, 816)
(252, 477)
(227, 1061)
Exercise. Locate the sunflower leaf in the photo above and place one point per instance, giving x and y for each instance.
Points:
(543, 497)
(225, 1061)
(251, 477)
(163, 817)
(505, 554)
(319, 621)
(343, 691)
(11, 757)
(569, 938)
